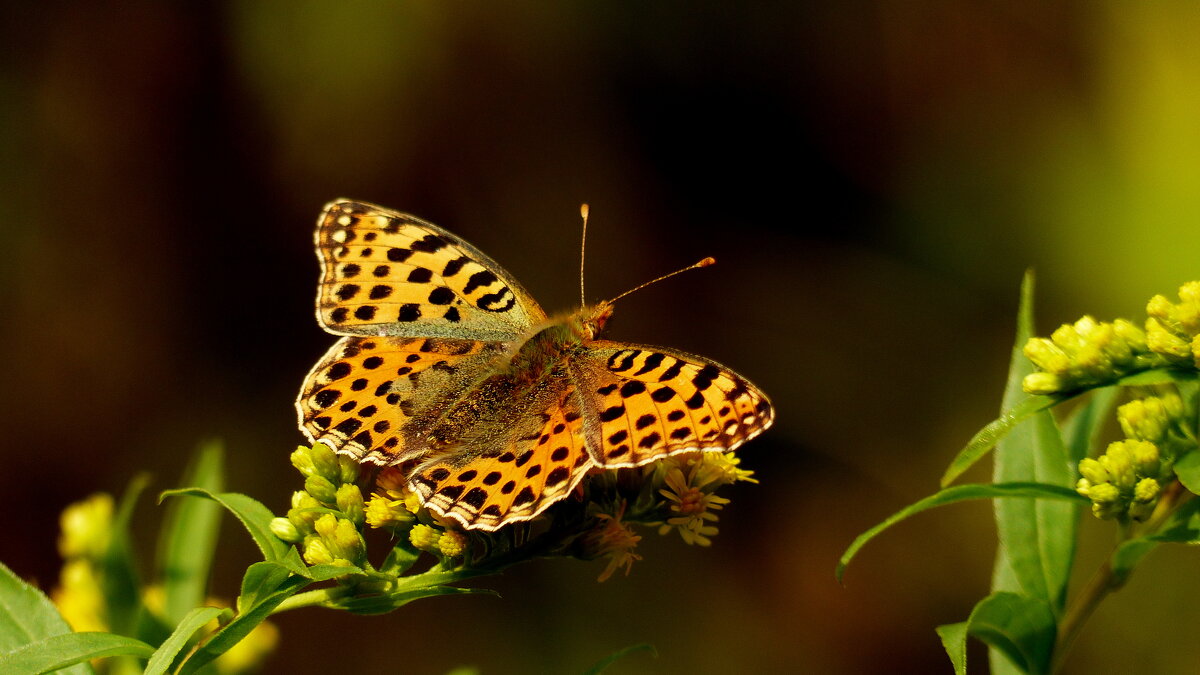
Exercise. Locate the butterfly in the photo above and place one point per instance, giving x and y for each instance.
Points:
(449, 370)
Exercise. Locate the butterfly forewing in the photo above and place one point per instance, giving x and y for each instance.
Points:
(389, 273)
(364, 396)
(650, 402)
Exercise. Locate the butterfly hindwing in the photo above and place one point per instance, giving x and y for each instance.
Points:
(517, 479)
(389, 273)
(650, 402)
(362, 397)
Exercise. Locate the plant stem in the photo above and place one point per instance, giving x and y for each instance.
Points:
(1104, 582)
(1100, 585)
(312, 598)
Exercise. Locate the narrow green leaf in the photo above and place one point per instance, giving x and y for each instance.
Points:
(253, 515)
(983, 441)
(1023, 629)
(1158, 376)
(959, 493)
(1037, 537)
(954, 641)
(193, 621)
(119, 573)
(607, 661)
(261, 580)
(189, 535)
(236, 630)
(27, 615)
(1084, 427)
(60, 651)
(382, 604)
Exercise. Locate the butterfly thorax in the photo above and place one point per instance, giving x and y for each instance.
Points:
(533, 371)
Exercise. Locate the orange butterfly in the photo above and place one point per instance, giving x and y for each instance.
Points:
(451, 371)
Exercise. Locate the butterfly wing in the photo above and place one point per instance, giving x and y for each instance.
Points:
(366, 397)
(538, 459)
(389, 273)
(643, 403)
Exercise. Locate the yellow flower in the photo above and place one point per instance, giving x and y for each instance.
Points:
(452, 543)
(694, 508)
(79, 598)
(248, 654)
(614, 539)
(86, 527)
(424, 537)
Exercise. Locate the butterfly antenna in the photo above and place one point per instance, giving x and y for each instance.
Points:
(703, 263)
(583, 211)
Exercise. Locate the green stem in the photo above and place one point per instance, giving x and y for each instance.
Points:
(1104, 582)
(312, 598)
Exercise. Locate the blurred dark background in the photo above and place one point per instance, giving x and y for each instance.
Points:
(872, 176)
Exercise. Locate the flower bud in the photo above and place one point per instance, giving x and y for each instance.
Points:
(1118, 461)
(383, 512)
(1093, 471)
(325, 462)
(350, 502)
(326, 525)
(348, 469)
(285, 530)
(424, 537)
(316, 552)
(1047, 355)
(452, 544)
(1042, 383)
(1130, 334)
(302, 460)
(321, 489)
(348, 542)
(1164, 342)
(1145, 457)
(1146, 490)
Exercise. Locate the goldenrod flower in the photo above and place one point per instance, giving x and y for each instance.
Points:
(614, 539)
(86, 527)
(424, 537)
(452, 543)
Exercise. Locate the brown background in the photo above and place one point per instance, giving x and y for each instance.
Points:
(872, 176)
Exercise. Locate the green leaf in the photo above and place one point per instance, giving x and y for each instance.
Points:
(1037, 537)
(254, 516)
(236, 630)
(119, 574)
(959, 493)
(1083, 428)
(983, 441)
(1019, 627)
(261, 580)
(1158, 376)
(384, 603)
(607, 661)
(193, 621)
(189, 536)
(954, 641)
(60, 651)
(27, 615)
(1187, 470)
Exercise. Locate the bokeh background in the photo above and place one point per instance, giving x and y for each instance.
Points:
(873, 177)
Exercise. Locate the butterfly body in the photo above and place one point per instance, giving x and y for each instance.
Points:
(451, 371)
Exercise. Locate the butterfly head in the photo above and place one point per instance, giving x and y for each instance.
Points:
(590, 321)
